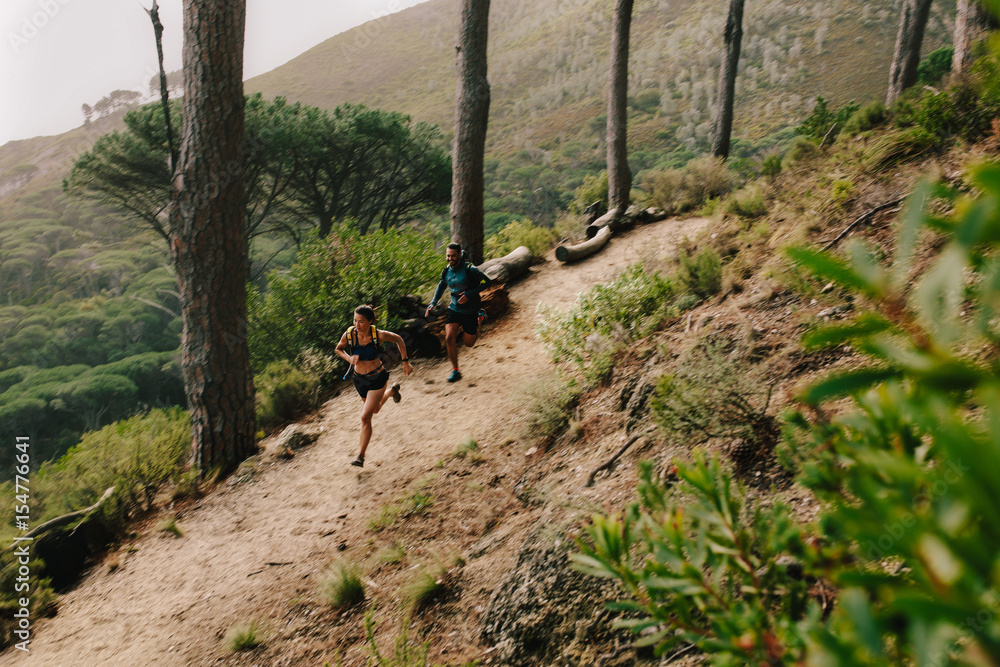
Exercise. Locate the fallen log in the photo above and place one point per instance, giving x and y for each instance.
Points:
(571, 253)
(609, 219)
(69, 518)
(509, 267)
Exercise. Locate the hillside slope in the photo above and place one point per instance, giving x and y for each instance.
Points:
(548, 72)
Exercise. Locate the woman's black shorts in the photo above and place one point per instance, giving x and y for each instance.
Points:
(469, 321)
(370, 382)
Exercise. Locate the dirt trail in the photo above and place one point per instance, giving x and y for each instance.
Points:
(248, 547)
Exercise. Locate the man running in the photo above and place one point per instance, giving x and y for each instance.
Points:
(465, 282)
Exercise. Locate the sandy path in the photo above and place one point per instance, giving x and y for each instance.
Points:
(249, 547)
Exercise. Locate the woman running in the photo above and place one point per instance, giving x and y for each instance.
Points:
(370, 376)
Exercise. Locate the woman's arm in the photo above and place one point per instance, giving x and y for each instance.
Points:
(391, 337)
(342, 353)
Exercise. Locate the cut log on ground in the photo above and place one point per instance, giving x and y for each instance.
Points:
(571, 253)
(609, 219)
(509, 267)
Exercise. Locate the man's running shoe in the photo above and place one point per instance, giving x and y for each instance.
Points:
(455, 376)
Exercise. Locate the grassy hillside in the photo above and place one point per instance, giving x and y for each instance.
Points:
(548, 64)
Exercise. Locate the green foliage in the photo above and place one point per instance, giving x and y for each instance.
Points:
(135, 456)
(425, 586)
(402, 508)
(716, 573)
(169, 525)
(678, 190)
(548, 403)
(520, 233)
(801, 149)
(935, 66)
(918, 456)
(244, 636)
(894, 148)
(593, 189)
(284, 392)
(715, 393)
(824, 123)
(747, 202)
(300, 164)
(343, 587)
(56, 405)
(864, 119)
(607, 317)
(42, 599)
(404, 653)
(331, 278)
(701, 272)
(771, 165)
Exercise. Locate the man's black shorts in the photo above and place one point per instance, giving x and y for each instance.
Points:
(469, 321)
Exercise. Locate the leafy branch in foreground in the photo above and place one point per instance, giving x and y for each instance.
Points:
(717, 573)
(910, 476)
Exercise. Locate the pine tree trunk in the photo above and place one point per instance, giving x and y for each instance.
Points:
(727, 80)
(972, 22)
(209, 240)
(619, 176)
(471, 118)
(906, 57)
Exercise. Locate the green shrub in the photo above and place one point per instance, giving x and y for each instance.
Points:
(707, 176)
(331, 278)
(593, 189)
(520, 233)
(935, 66)
(135, 456)
(823, 123)
(701, 272)
(244, 636)
(864, 119)
(714, 393)
(425, 587)
(666, 191)
(909, 476)
(283, 393)
(718, 574)
(342, 586)
(771, 165)
(937, 115)
(548, 403)
(894, 148)
(747, 202)
(606, 317)
(677, 190)
(802, 149)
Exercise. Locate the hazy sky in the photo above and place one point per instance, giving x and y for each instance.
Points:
(57, 55)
